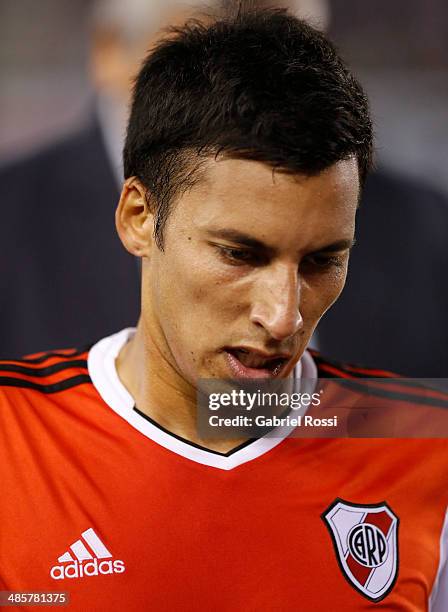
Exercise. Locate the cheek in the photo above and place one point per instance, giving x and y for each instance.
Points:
(336, 282)
(192, 299)
(193, 290)
(200, 287)
(321, 292)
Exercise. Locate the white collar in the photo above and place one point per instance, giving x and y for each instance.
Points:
(103, 372)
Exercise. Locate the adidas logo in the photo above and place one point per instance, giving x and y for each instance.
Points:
(90, 559)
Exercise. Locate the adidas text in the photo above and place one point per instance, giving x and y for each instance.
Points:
(88, 568)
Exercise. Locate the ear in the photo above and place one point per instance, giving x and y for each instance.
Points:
(134, 220)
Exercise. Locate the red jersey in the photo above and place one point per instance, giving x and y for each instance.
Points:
(100, 502)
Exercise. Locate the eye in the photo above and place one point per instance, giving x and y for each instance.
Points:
(236, 256)
(324, 261)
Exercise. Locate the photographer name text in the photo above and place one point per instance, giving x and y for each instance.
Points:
(272, 421)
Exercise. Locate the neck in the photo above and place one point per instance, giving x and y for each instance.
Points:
(160, 392)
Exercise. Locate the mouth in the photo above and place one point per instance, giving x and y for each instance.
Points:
(248, 363)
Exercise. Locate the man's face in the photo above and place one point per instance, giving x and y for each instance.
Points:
(252, 259)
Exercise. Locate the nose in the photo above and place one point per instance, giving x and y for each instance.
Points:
(276, 302)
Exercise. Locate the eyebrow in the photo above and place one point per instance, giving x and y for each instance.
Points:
(339, 245)
(239, 238)
(244, 239)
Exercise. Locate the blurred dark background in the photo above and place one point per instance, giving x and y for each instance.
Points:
(399, 50)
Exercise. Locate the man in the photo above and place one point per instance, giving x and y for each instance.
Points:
(45, 275)
(247, 147)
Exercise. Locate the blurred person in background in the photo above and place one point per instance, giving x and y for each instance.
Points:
(60, 280)
(393, 310)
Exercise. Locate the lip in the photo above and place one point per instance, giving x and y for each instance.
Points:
(259, 352)
(239, 370)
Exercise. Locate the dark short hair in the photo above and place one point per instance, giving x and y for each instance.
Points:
(262, 85)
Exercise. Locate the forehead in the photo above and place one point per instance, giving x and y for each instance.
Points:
(250, 196)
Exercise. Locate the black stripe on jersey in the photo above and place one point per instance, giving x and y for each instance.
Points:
(46, 371)
(353, 370)
(419, 386)
(204, 448)
(393, 395)
(49, 354)
(62, 385)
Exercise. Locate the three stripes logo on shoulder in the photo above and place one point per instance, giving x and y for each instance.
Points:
(88, 557)
(365, 539)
